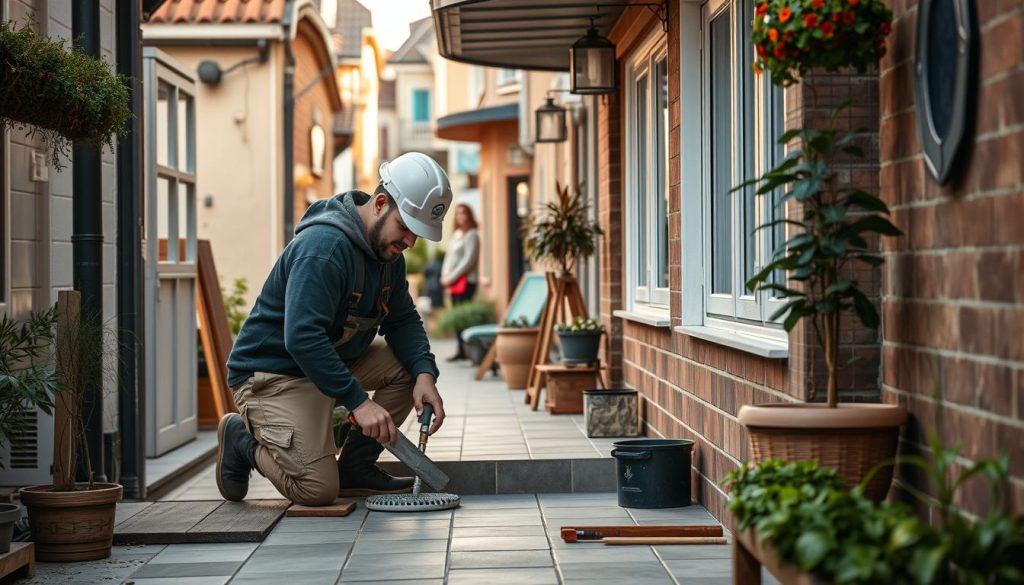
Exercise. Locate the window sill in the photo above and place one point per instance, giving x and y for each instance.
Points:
(762, 346)
(507, 88)
(651, 319)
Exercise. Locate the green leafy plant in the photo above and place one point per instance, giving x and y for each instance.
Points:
(580, 325)
(416, 257)
(464, 316)
(792, 37)
(519, 322)
(63, 96)
(27, 380)
(833, 232)
(233, 305)
(562, 233)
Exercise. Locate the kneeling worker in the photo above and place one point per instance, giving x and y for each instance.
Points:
(306, 345)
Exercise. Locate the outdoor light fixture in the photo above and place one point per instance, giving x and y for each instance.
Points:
(592, 64)
(550, 122)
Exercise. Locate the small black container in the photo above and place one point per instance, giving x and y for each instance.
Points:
(653, 473)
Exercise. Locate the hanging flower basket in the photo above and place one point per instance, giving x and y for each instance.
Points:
(62, 95)
(791, 37)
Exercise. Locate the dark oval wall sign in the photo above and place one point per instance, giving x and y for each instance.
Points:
(945, 73)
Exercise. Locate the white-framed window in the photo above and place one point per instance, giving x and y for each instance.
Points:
(742, 119)
(646, 175)
(507, 76)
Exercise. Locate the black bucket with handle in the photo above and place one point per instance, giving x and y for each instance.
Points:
(653, 473)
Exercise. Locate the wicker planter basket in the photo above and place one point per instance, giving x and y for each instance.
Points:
(851, 439)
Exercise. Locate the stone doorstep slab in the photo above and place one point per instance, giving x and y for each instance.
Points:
(523, 475)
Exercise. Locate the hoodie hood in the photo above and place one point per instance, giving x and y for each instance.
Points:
(341, 212)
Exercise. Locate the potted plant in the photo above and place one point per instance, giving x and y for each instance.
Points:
(71, 520)
(563, 233)
(513, 348)
(829, 238)
(64, 96)
(580, 340)
(27, 383)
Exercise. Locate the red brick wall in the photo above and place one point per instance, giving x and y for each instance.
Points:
(691, 388)
(954, 285)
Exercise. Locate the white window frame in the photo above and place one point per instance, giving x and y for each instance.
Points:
(740, 310)
(642, 296)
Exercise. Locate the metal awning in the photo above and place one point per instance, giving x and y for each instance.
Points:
(516, 34)
(467, 125)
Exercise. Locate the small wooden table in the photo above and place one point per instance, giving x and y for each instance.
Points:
(20, 561)
(565, 385)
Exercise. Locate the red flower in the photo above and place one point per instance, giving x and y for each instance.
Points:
(794, 53)
(773, 34)
(827, 29)
(886, 28)
(761, 51)
(763, 8)
(779, 51)
(810, 20)
(818, 3)
(853, 2)
(785, 14)
(835, 17)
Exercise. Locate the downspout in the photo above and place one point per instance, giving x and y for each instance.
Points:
(130, 327)
(87, 243)
(289, 125)
(525, 116)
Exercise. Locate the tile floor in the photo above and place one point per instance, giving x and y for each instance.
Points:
(490, 540)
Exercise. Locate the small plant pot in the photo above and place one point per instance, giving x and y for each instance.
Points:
(72, 526)
(579, 347)
(9, 514)
(514, 350)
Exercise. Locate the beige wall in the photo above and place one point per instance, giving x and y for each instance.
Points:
(238, 162)
(316, 106)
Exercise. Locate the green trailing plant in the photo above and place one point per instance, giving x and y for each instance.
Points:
(562, 233)
(464, 316)
(580, 325)
(519, 322)
(62, 95)
(27, 379)
(234, 303)
(832, 234)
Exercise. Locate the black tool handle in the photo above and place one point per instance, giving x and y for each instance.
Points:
(428, 413)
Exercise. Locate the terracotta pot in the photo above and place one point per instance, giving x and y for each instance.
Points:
(514, 351)
(72, 526)
(851, 438)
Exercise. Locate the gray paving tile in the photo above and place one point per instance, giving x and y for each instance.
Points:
(297, 558)
(474, 531)
(138, 551)
(204, 553)
(303, 577)
(221, 580)
(536, 576)
(593, 475)
(697, 551)
(153, 570)
(394, 566)
(578, 500)
(315, 537)
(500, 543)
(375, 524)
(317, 524)
(537, 477)
(498, 501)
(376, 547)
(581, 512)
(605, 554)
(500, 559)
(396, 582)
(498, 512)
(691, 568)
(624, 572)
(498, 521)
(391, 535)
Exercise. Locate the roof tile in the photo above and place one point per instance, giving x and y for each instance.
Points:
(219, 11)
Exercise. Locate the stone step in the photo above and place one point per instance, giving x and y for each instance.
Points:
(525, 476)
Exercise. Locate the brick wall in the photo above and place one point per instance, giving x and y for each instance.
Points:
(692, 388)
(953, 291)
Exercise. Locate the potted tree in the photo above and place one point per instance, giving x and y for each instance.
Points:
(27, 383)
(579, 339)
(513, 348)
(830, 236)
(71, 520)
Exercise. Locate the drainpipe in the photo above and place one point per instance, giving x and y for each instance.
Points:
(130, 328)
(87, 241)
(525, 115)
(289, 125)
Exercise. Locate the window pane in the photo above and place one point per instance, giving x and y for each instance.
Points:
(642, 180)
(749, 169)
(721, 155)
(661, 160)
(776, 153)
(185, 158)
(163, 96)
(421, 105)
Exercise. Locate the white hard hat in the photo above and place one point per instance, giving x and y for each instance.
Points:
(421, 190)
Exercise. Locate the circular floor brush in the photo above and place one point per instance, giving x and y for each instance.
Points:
(412, 502)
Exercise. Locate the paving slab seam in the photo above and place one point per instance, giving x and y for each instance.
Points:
(352, 546)
(551, 546)
(448, 551)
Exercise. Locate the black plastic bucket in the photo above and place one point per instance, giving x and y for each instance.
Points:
(653, 473)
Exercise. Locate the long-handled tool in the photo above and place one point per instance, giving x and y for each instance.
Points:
(596, 533)
(417, 502)
(658, 540)
(407, 453)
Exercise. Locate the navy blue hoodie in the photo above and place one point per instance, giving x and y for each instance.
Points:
(302, 308)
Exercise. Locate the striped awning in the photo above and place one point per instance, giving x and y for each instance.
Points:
(516, 34)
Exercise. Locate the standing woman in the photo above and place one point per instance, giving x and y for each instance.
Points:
(458, 273)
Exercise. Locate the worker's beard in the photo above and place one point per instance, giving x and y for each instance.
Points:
(385, 250)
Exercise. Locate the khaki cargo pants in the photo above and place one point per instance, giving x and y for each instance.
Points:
(291, 420)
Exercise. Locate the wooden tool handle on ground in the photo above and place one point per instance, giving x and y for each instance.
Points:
(654, 540)
(594, 533)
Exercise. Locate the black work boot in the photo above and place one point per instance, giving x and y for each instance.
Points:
(236, 457)
(358, 474)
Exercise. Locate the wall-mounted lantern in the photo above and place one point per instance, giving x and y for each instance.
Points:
(592, 64)
(550, 122)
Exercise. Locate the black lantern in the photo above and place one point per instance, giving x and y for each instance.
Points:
(550, 122)
(592, 64)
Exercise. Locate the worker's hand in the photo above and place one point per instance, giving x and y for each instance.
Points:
(426, 391)
(375, 422)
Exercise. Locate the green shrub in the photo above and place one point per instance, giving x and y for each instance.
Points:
(64, 96)
(416, 257)
(233, 303)
(463, 316)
